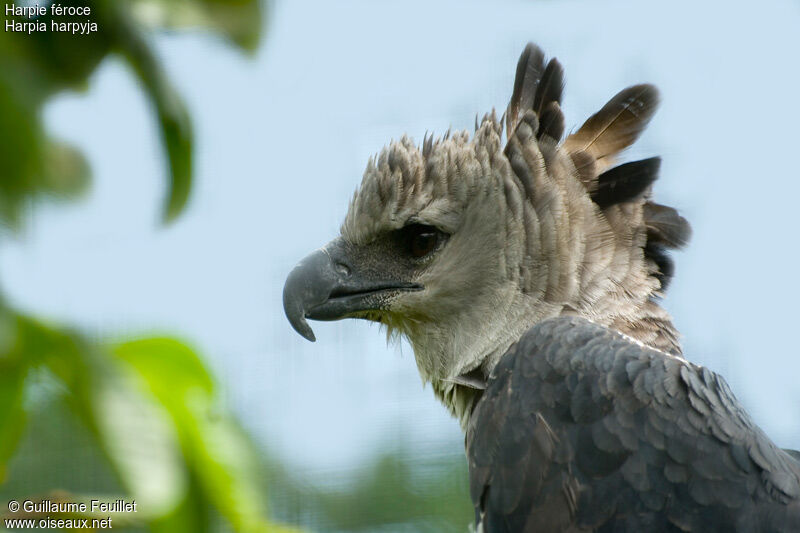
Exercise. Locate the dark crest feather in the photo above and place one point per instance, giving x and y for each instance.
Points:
(551, 122)
(529, 70)
(536, 86)
(665, 226)
(666, 266)
(626, 182)
(666, 229)
(550, 87)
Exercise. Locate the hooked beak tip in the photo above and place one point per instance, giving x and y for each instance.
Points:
(305, 330)
(295, 312)
(300, 325)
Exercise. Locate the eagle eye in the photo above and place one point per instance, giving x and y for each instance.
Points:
(420, 240)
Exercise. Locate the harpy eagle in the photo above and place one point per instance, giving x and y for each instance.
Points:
(526, 275)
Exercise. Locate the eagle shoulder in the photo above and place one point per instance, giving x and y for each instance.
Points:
(583, 429)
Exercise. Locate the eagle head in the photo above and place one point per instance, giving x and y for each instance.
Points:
(463, 243)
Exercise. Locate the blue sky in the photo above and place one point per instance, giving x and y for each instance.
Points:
(282, 140)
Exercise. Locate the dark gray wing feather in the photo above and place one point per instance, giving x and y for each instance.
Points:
(582, 429)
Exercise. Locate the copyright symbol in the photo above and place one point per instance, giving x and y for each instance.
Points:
(13, 506)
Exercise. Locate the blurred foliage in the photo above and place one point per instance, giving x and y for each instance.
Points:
(397, 491)
(151, 417)
(34, 67)
(149, 410)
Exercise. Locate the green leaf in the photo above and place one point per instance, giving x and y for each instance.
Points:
(12, 412)
(239, 21)
(176, 132)
(191, 516)
(133, 430)
(65, 60)
(173, 117)
(31, 167)
(66, 171)
(219, 454)
(34, 67)
(137, 434)
(21, 149)
(156, 416)
(170, 368)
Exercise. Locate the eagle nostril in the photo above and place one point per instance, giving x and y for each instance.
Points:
(342, 269)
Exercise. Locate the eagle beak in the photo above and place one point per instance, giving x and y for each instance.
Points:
(327, 285)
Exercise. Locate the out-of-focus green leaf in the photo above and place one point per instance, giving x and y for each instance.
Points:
(171, 369)
(21, 148)
(66, 171)
(215, 447)
(238, 20)
(66, 60)
(132, 429)
(12, 413)
(34, 67)
(176, 132)
(28, 164)
(139, 438)
(191, 516)
(173, 118)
